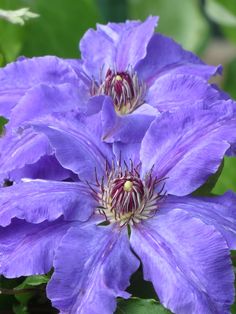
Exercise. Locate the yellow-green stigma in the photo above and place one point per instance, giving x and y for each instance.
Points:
(128, 186)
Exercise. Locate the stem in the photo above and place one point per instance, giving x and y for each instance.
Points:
(17, 291)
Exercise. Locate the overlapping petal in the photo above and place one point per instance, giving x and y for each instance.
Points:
(187, 146)
(174, 91)
(92, 267)
(164, 55)
(128, 128)
(219, 211)
(47, 99)
(47, 168)
(28, 249)
(21, 148)
(112, 45)
(187, 261)
(76, 148)
(18, 77)
(40, 200)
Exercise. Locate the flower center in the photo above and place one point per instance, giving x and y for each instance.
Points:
(125, 194)
(125, 89)
(125, 198)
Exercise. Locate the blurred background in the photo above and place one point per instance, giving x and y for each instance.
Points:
(207, 27)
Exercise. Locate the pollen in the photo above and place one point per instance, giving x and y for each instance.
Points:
(118, 78)
(128, 186)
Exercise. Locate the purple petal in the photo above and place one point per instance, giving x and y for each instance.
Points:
(92, 267)
(42, 100)
(132, 45)
(173, 91)
(25, 146)
(47, 168)
(187, 261)
(217, 211)
(21, 148)
(178, 145)
(98, 52)
(28, 249)
(119, 45)
(126, 129)
(127, 152)
(76, 148)
(39, 200)
(18, 77)
(164, 55)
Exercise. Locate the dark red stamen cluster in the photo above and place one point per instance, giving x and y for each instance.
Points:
(124, 88)
(124, 197)
(126, 200)
(120, 86)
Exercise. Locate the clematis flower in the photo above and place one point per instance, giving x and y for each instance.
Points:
(144, 73)
(127, 209)
(121, 60)
(141, 73)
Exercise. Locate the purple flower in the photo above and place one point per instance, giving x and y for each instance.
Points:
(144, 73)
(127, 72)
(126, 61)
(81, 228)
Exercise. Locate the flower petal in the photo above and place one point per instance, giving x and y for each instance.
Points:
(171, 92)
(127, 152)
(21, 148)
(43, 99)
(39, 200)
(47, 168)
(164, 55)
(178, 145)
(187, 261)
(28, 249)
(18, 77)
(120, 45)
(126, 129)
(218, 211)
(132, 45)
(75, 147)
(92, 267)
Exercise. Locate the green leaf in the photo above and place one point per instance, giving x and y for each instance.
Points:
(20, 309)
(219, 13)
(141, 288)
(207, 188)
(140, 306)
(6, 301)
(30, 282)
(180, 19)
(227, 179)
(3, 121)
(59, 28)
(33, 281)
(233, 309)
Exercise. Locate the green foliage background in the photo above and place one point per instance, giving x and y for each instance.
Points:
(207, 27)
